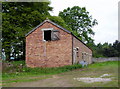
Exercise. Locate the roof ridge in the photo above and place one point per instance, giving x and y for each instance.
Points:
(47, 20)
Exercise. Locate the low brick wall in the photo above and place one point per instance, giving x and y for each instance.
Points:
(105, 59)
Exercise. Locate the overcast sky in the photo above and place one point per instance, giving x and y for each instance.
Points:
(105, 11)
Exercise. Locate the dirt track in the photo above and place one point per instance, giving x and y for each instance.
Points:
(56, 81)
(60, 80)
(67, 79)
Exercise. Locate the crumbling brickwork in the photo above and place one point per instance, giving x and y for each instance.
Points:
(50, 53)
(66, 50)
(84, 53)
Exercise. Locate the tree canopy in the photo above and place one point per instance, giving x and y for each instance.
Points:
(59, 21)
(18, 19)
(79, 20)
(106, 49)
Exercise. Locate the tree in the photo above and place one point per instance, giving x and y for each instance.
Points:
(79, 20)
(116, 45)
(18, 19)
(59, 21)
(106, 49)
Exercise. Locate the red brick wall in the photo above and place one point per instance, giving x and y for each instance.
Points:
(58, 53)
(82, 49)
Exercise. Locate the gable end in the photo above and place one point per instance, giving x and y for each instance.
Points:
(58, 27)
(49, 22)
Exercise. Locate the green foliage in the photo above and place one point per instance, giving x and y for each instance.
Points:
(19, 66)
(17, 63)
(13, 66)
(14, 72)
(79, 20)
(18, 19)
(52, 70)
(110, 67)
(106, 50)
(59, 21)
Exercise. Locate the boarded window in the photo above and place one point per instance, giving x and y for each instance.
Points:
(55, 35)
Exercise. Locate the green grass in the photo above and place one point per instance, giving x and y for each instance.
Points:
(93, 70)
(34, 71)
(15, 73)
(108, 63)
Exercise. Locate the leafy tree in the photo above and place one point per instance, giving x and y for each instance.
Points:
(110, 52)
(116, 46)
(113, 50)
(106, 49)
(79, 20)
(59, 21)
(18, 19)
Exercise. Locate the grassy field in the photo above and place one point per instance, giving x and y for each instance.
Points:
(63, 76)
(16, 71)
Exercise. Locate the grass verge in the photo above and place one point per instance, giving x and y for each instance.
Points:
(64, 74)
(16, 71)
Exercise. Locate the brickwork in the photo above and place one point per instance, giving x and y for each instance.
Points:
(83, 51)
(49, 53)
(66, 51)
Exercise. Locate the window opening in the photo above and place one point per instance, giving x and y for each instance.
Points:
(51, 35)
(47, 35)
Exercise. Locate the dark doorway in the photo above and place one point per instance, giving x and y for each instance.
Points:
(47, 35)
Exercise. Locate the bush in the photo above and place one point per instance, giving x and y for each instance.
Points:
(13, 66)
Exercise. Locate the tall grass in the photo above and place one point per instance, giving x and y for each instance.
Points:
(51, 70)
(18, 68)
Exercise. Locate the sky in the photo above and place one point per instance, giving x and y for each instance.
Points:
(105, 11)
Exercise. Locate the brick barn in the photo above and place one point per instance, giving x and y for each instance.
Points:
(50, 45)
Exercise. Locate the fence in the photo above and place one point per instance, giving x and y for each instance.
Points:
(105, 59)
